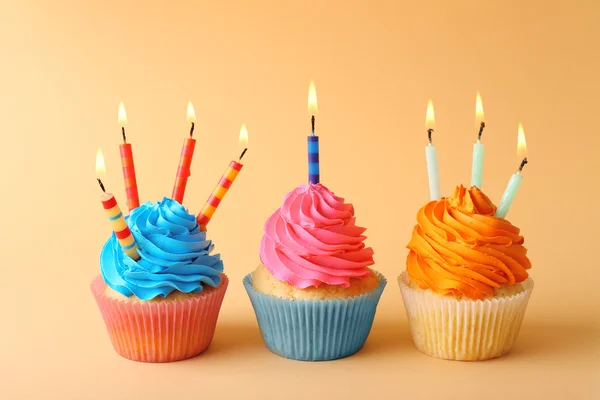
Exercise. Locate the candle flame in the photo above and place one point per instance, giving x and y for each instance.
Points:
(122, 114)
(243, 140)
(478, 110)
(100, 168)
(430, 116)
(191, 114)
(521, 143)
(312, 99)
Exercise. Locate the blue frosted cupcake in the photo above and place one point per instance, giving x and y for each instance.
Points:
(314, 295)
(164, 306)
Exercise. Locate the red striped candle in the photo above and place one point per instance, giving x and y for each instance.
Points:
(185, 161)
(183, 171)
(217, 194)
(131, 190)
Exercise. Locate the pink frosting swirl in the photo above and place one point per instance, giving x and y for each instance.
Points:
(312, 239)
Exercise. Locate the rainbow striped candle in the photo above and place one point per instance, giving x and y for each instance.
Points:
(218, 193)
(119, 225)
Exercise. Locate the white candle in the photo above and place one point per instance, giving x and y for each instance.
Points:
(515, 180)
(431, 156)
(432, 172)
(477, 168)
(509, 194)
(478, 149)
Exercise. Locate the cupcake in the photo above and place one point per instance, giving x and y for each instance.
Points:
(164, 306)
(466, 286)
(314, 294)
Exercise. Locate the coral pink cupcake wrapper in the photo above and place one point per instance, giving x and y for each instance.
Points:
(160, 331)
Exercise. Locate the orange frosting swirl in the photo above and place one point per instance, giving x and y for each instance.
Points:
(459, 247)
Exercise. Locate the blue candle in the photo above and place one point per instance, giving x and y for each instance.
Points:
(314, 176)
(431, 156)
(313, 159)
(478, 149)
(515, 181)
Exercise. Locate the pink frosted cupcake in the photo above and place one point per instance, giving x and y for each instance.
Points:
(314, 294)
(164, 306)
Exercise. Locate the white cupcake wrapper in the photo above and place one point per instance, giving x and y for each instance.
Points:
(315, 330)
(453, 329)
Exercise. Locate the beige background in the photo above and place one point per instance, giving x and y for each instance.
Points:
(66, 65)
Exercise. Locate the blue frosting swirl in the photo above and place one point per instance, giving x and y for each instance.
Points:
(175, 254)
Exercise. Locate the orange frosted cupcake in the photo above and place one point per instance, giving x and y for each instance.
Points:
(466, 285)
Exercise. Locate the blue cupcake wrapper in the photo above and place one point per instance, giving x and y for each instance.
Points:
(315, 330)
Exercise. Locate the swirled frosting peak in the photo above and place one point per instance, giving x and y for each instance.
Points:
(459, 247)
(175, 254)
(313, 239)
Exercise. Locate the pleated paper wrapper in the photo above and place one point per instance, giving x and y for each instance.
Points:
(315, 330)
(463, 329)
(160, 331)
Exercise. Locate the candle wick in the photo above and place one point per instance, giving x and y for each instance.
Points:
(192, 129)
(312, 123)
(523, 163)
(480, 130)
(124, 136)
(101, 185)
(242, 155)
(429, 132)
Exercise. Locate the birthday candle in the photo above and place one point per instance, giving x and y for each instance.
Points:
(515, 180)
(115, 216)
(431, 156)
(119, 225)
(131, 189)
(478, 149)
(223, 185)
(313, 140)
(185, 161)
